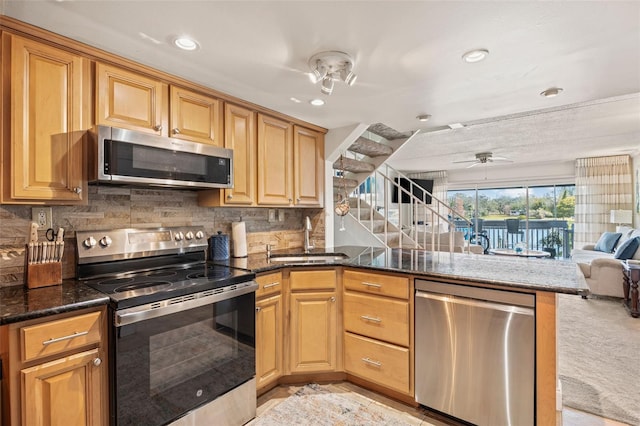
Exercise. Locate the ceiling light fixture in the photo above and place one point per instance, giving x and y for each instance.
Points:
(186, 43)
(316, 102)
(551, 92)
(475, 55)
(423, 117)
(331, 66)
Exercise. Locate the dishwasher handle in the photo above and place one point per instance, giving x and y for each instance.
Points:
(475, 303)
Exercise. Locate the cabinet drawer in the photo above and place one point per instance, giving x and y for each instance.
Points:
(384, 285)
(313, 280)
(377, 317)
(378, 362)
(59, 336)
(269, 284)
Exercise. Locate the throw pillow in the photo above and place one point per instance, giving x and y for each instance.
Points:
(607, 241)
(627, 249)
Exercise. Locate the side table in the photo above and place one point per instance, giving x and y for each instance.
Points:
(631, 273)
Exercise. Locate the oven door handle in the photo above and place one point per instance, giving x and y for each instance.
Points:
(178, 304)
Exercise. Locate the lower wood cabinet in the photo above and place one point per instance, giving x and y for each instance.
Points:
(66, 391)
(378, 362)
(268, 340)
(56, 370)
(313, 332)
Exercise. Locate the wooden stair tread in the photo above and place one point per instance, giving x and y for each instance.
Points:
(349, 183)
(370, 148)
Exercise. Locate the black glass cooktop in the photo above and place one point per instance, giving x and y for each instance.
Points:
(132, 289)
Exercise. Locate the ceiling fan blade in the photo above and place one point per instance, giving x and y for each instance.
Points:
(472, 165)
(466, 161)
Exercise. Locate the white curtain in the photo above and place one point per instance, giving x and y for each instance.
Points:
(602, 184)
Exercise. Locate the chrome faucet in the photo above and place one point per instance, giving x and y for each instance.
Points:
(307, 228)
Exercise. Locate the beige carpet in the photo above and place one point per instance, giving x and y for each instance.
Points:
(599, 357)
(329, 405)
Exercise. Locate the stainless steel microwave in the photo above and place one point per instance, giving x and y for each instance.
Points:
(121, 156)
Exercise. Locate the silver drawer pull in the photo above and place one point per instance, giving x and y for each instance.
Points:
(372, 362)
(60, 339)
(271, 285)
(368, 318)
(371, 284)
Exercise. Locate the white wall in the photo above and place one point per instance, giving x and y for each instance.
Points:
(635, 162)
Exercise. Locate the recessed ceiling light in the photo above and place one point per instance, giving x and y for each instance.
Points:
(551, 92)
(316, 102)
(423, 117)
(186, 43)
(296, 100)
(475, 55)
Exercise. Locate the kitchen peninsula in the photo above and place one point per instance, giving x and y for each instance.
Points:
(372, 279)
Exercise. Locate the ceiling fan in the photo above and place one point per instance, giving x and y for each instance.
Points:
(484, 158)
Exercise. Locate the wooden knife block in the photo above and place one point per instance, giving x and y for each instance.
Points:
(43, 274)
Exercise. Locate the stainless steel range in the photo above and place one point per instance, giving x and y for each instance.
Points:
(183, 337)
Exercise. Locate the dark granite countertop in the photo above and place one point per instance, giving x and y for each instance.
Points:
(558, 276)
(18, 303)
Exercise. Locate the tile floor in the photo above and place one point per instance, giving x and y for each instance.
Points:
(415, 416)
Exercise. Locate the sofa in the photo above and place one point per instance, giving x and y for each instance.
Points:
(601, 270)
(460, 245)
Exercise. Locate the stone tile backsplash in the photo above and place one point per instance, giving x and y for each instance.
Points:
(123, 207)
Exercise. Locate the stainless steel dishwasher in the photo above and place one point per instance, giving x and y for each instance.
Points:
(475, 353)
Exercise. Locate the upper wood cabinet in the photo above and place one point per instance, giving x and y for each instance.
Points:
(290, 164)
(130, 100)
(240, 136)
(195, 117)
(308, 167)
(45, 96)
(275, 165)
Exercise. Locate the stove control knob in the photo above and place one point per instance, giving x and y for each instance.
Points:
(179, 236)
(199, 235)
(105, 241)
(189, 235)
(89, 242)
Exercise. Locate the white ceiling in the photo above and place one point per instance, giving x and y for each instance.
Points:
(408, 60)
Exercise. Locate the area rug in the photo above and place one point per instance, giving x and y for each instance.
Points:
(599, 357)
(318, 405)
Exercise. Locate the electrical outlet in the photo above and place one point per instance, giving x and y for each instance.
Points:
(280, 215)
(42, 216)
(272, 215)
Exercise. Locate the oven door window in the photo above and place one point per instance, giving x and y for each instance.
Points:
(169, 365)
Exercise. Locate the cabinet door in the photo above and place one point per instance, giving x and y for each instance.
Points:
(313, 332)
(195, 117)
(308, 167)
(240, 135)
(268, 340)
(130, 101)
(275, 165)
(48, 87)
(65, 392)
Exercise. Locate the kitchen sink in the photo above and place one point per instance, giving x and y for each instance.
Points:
(308, 258)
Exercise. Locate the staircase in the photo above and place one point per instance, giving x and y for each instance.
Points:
(366, 182)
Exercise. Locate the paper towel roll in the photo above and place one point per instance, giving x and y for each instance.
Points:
(239, 236)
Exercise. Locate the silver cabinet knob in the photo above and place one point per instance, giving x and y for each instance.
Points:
(176, 131)
(258, 308)
(89, 242)
(333, 299)
(157, 127)
(97, 362)
(291, 200)
(77, 190)
(230, 196)
(105, 241)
